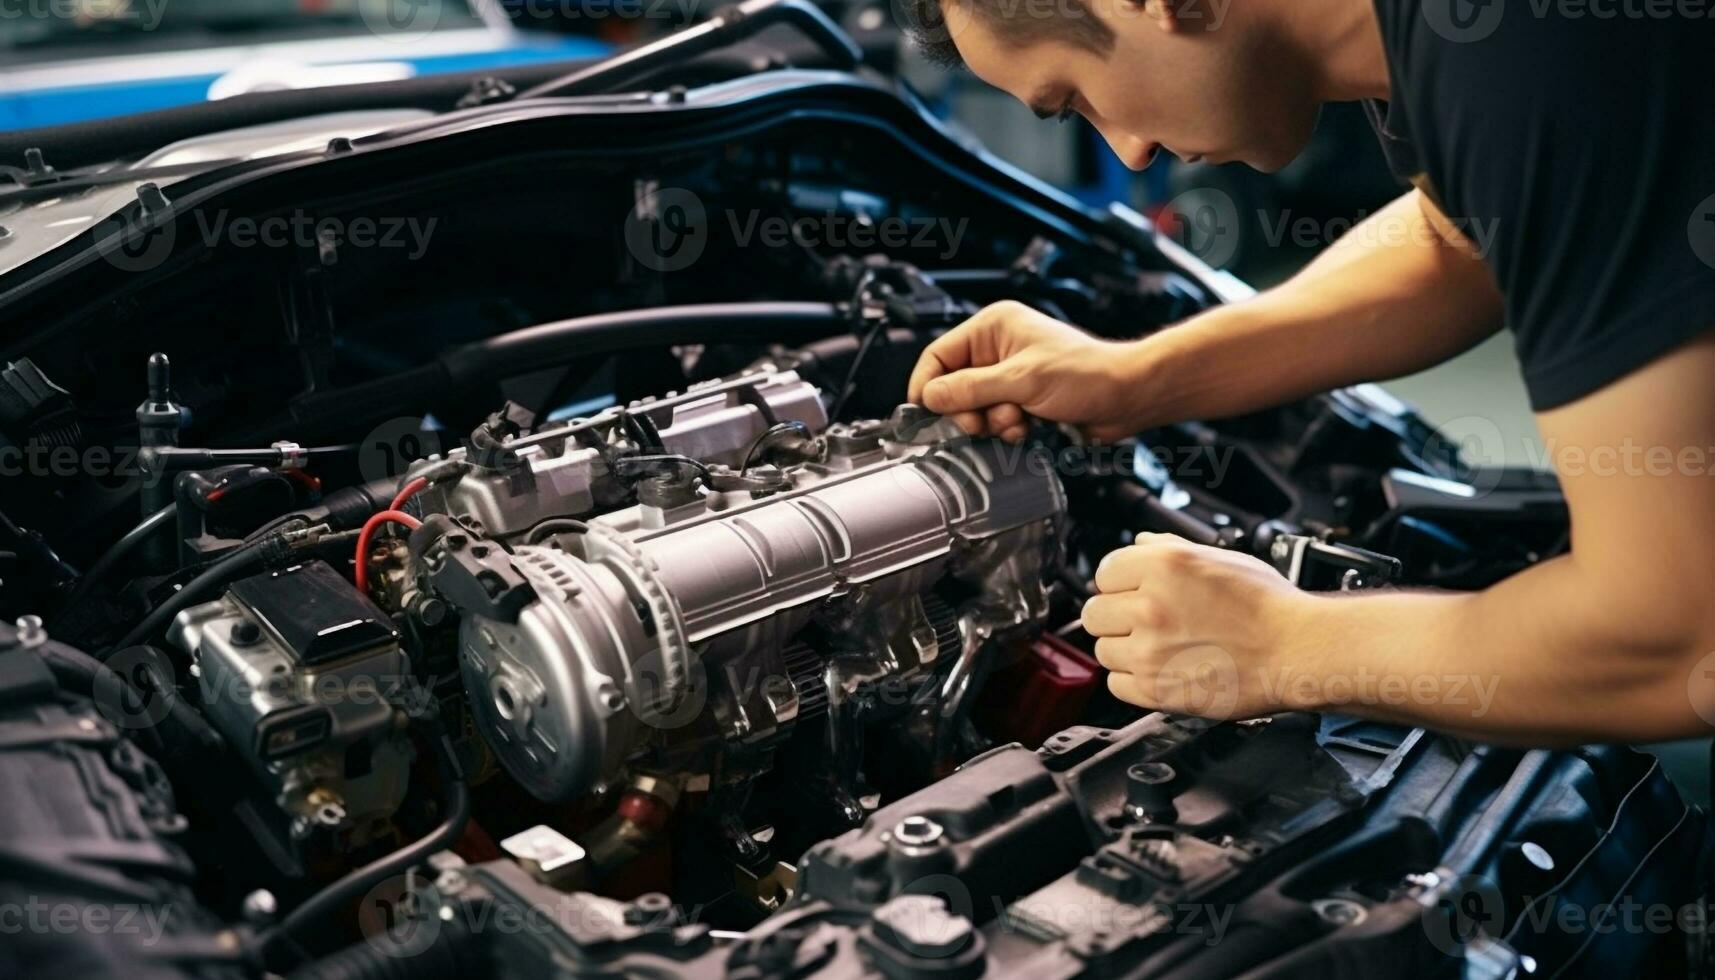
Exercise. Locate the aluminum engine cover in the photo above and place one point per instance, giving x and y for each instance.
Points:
(610, 649)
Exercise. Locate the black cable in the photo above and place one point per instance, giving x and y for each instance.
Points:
(849, 384)
(553, 526)
(240, 560)
(456, 812)
(856, 311)
(636, 467)
(117, 553)
(773, 434)
(557, 343)
(552, 344)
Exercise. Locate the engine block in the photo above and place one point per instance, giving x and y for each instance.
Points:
(861, 576)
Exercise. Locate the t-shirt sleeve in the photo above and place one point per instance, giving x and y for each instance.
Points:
(1578, 153)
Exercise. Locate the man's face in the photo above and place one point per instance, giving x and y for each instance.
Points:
(1201, 79)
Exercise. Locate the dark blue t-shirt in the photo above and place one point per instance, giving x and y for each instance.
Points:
(1574, 142)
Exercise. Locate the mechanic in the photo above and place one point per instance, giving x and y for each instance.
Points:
(1587, 147)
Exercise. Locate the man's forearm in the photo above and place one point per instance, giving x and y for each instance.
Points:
(1391, 297)
(1540, 657)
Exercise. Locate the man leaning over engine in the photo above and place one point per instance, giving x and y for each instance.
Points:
(1587, 145)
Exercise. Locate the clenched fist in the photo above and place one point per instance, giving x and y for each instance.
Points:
(1010, 361)
(1195, 630)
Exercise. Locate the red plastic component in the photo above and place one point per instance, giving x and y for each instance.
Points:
(1045, 691)
(644, 810)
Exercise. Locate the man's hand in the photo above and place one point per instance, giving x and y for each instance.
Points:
(1190, 629)
(1008, 361)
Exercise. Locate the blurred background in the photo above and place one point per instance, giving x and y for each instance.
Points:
(75, 60)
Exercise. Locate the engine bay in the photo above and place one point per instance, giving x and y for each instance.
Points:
(532, 578)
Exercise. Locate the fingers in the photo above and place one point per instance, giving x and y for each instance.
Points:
(1125, 570)
(1105, 615)
(972, 422)
(952, 351)
(972, 390)
(1004, 416)
(1130, 689)
(1007, 421)
(976, 343)
(1111, 654)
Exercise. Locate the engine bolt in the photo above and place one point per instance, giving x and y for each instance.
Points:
(1339, 912)
(260, 907)
(917, 831)
(30, 631)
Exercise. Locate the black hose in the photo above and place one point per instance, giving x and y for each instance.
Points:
(106, 563)
(551, 344)
(451, 955)
(774, 433)
(726, 26)
(456, 812)
(554, 526)
(242, 559)
(557, 343)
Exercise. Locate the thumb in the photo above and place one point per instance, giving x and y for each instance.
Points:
(972, 389)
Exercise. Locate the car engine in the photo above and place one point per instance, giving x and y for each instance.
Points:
(546, 603)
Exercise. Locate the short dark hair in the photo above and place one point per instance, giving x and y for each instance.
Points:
(1017, 22)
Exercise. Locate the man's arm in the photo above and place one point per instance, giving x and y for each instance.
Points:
(1606, 642)
(1402, 291)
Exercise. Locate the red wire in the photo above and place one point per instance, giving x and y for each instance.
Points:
(406, 492)
(361, 575)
